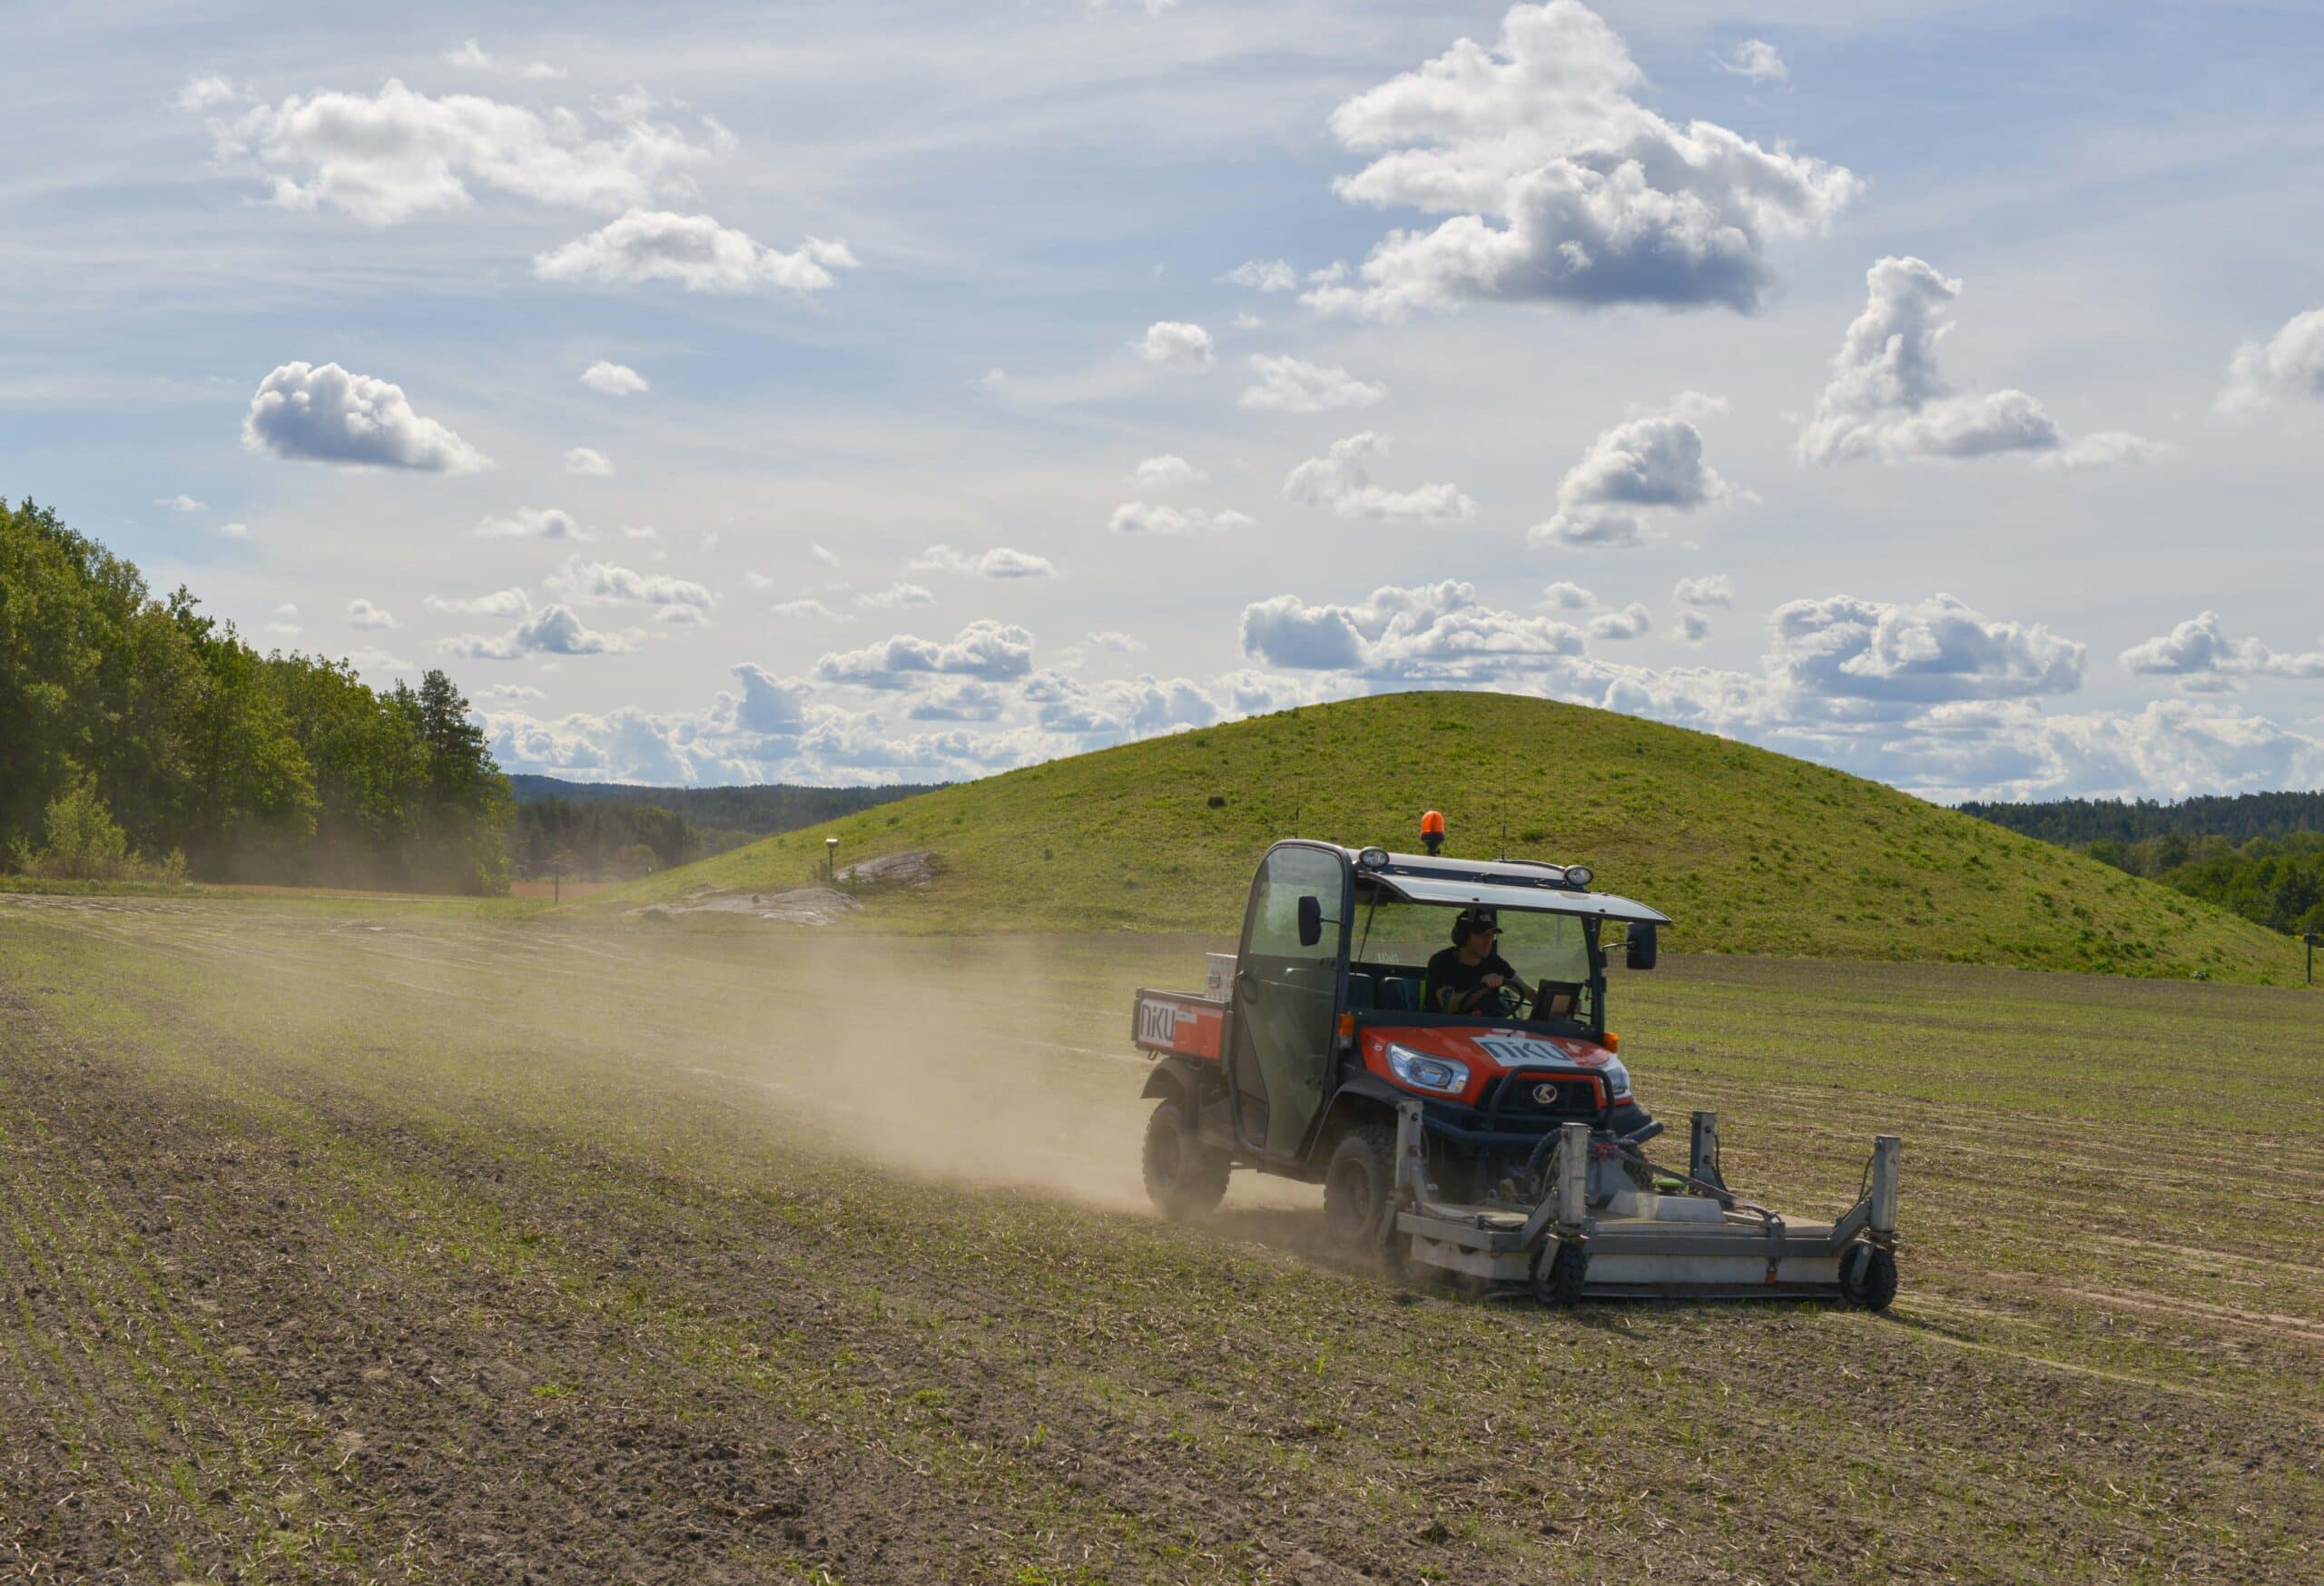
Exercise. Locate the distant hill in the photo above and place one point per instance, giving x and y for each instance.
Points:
(1750, 851)
(758, 811)
(2077, 823)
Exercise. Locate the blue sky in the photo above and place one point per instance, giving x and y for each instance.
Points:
(1930, 389)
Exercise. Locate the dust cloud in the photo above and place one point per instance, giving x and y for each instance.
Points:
(1000, 1061)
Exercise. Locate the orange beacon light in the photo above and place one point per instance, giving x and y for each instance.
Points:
(1432, 831)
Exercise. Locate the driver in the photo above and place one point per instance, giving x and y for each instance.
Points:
(1469, 977)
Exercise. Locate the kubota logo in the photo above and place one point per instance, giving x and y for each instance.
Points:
(1545, 1095)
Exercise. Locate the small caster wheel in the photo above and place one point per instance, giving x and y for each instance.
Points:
(1558, 1273)
(1869, 1276)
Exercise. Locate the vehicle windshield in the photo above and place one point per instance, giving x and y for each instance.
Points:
(1546, 949)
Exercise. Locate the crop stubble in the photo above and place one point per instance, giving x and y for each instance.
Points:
(389, 1248)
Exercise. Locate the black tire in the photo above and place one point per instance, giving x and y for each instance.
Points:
(1869, 1276)
(1559, 1272)
(1184, 1177)
(1356, 1181)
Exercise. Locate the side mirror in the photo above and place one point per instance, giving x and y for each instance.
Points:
(1641, 947)
(1311, 920)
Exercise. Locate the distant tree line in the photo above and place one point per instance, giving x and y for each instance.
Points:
(726, 817)
(2077, 823)
(138, 736)
(2261, 855)
(604, 839)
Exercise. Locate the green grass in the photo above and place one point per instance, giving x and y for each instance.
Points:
(1749, 851)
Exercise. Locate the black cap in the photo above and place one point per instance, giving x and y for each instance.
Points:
(1476, 919)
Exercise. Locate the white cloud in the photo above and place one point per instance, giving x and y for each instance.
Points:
(235, 530)
(589, 464)
(1161, 472)
(1264, 275)
(532, 522)
(993, 651)
(542, 71)
(694, 251)
(1656, 462)
(1693, 626)
(499, 603)
(179, 503)
(963, 702)
(1341, 481)
(1712, 589)
(207, 92)
(2199, 648)
(1559, 185)
(604, 583)
(1174, 344)
(555, 630)
(827, 558)
(470, 54)
(1926, 651)
(374, 661)
(324, 413)
(1435, 633)
(1293, 385)
(1567, 596)
(1152, 517)
(387, 157)
(1755, 59)
(614, 379)
(2289, 364)
(2104, 448)
(1632, 622)
(1120, 644)
(896, 595)
(362, 614)
(1001, 562)
(1888, 399)
(807, 607)
(1118, 709)
(644, 531)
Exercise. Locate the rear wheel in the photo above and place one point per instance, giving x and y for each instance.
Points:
(1184, 1177)
(1869, 1276)
(1356, 1188)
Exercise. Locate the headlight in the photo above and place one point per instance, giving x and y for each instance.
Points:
(1423, 1072)
(1579, 875)
(1373, 859)
(1618, 1078)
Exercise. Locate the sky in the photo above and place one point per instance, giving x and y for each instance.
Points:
(871, 393)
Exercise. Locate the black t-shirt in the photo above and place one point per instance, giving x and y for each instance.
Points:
(1450, 981)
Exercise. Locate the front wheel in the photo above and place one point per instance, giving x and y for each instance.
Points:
(1356, 1181)
(1184, 1177)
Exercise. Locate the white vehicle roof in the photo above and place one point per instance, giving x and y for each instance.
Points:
(1529, 886)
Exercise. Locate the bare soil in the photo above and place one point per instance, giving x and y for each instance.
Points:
(384, 1248)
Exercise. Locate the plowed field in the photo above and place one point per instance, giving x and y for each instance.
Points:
(374, 1247)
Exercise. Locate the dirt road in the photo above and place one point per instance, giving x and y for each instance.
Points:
(376, 1248)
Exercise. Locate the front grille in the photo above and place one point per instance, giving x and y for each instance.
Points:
(1572, 1096)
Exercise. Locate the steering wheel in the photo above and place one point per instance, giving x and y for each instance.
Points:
(1505, 1001)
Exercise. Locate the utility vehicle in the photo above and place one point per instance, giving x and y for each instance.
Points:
(1504, 1143)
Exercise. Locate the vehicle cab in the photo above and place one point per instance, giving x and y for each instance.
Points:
(1327, 1024)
